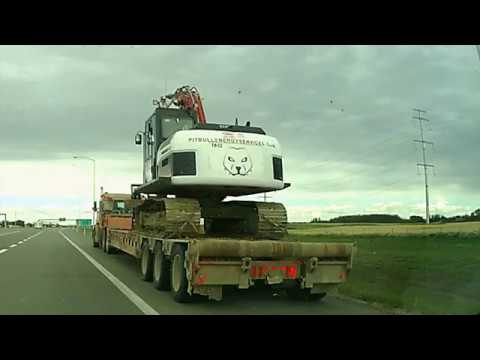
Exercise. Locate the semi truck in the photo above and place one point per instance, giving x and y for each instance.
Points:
(189, 238)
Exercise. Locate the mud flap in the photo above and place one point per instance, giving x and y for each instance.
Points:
(274, 278)
(214, 292)
(244, 280)
(310, 278)
(191, 261)
(320, 274)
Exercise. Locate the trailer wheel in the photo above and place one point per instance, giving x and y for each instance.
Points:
(296, 293)
(179, 282)
(109, 249)
(146, 262)
(161, 269)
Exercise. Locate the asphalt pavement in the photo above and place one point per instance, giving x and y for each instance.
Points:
(57, 271)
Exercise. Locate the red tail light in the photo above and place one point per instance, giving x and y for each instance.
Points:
(292, 272)
(289, 271)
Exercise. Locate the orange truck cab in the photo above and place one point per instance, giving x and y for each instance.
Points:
(115, 212)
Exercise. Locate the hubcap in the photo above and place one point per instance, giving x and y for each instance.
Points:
(176, 273)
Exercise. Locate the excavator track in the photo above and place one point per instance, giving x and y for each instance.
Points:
(181, 218)
(272, 220)
(172, 218)
(257, 220)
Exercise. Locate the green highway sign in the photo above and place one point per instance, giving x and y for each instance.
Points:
(84, 223)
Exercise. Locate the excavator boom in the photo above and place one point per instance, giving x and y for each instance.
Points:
(188, 98)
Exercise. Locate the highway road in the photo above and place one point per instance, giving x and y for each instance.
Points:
(57, 271)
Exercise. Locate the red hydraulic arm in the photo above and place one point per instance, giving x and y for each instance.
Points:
(188, 97)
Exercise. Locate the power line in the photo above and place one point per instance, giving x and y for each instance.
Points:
(343, 177)
(424, 164)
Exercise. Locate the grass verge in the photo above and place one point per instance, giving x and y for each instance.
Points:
(427, 274)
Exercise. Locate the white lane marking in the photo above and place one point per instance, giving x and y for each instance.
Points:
(134, 298)
(3, 250)
(30, 237)
(14, 232)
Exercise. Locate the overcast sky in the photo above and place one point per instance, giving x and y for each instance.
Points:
(343, 115)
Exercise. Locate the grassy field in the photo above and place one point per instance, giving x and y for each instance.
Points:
(385, 229)
(431, 269)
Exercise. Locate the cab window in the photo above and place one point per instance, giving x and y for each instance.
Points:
(119, 206)
(173, 124)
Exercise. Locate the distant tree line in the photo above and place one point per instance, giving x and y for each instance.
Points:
(370, 218)
(12, 223)
(387, 218)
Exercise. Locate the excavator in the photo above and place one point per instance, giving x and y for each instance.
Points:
(203, 163)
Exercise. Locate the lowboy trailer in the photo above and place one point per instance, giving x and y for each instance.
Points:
(204, 265)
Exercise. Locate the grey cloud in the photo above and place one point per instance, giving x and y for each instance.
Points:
(57, 100)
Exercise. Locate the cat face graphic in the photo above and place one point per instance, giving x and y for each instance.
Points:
(237, 162)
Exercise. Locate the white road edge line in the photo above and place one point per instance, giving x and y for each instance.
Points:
(3, 250)
(13, 245)
(134, 298)
(14, 232)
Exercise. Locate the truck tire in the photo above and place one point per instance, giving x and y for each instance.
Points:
(178, 275)
(146, 262)
(296, 293)
(104, 240)
(161, 269)
(95, 237)
(100, 237)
